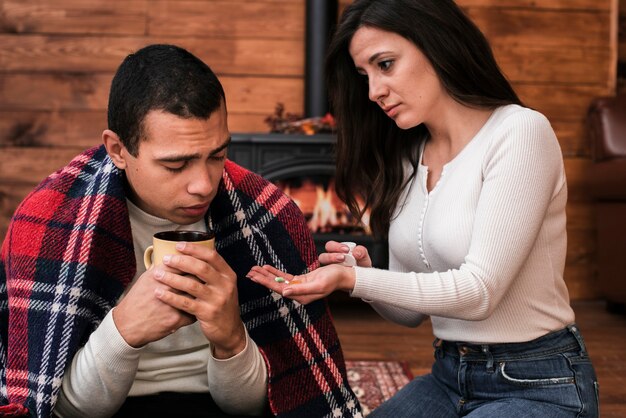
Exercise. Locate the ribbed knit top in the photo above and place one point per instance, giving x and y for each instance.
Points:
(484, 252)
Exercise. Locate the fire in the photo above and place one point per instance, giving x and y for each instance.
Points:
(322, 208)
(324, 212)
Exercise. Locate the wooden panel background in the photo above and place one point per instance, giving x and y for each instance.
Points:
(621, 72)
(57, 58)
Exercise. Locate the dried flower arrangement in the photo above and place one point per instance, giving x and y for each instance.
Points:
(290, 123)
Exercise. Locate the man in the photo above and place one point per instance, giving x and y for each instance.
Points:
(86, 331)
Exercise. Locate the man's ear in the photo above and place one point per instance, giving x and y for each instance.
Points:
(114, 148)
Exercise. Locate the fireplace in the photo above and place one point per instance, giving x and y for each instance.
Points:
(303, 167)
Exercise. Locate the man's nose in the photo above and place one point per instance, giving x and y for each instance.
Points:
(200, 183)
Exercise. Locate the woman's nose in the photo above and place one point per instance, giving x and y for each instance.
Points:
(376, 90)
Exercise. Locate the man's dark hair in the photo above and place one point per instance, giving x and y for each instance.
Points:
(160, 77)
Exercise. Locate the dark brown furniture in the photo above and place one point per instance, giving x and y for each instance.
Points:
(607, 177)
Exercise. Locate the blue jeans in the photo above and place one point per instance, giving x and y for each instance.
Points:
(551, 376)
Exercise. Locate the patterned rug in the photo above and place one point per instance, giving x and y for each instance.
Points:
(375, 381)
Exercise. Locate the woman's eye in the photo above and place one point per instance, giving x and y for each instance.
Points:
(385, 65)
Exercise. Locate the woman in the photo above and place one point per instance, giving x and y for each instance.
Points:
(469, 187)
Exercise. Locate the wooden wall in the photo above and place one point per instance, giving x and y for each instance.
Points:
(57, 59)
(621, 68)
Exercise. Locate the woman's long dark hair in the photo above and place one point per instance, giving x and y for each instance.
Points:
(370, 147)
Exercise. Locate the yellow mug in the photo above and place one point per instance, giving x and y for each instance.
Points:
(164, 243)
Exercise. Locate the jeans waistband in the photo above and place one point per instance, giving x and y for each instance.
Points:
(565, 340)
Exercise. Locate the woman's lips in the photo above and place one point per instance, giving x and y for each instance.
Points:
(391, 111)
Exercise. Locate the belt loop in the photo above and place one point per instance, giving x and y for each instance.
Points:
(438, 346)
(576, 333)
(486, 352)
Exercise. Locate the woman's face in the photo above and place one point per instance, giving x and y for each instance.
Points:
(401, 80)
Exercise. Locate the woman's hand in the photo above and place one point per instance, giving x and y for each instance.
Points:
(308, 287)
(336, 253)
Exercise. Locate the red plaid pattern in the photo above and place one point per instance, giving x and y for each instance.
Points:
(68, 256)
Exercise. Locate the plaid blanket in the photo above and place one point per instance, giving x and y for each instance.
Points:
(68, 255)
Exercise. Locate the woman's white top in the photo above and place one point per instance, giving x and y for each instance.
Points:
(484, 252)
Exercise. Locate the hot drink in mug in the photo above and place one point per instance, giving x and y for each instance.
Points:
(164, 243)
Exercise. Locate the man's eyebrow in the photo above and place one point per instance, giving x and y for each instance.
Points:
(177, 158)
(221, 147)
(188, 157)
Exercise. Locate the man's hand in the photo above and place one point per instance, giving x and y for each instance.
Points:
(141, 318)
(208, 292)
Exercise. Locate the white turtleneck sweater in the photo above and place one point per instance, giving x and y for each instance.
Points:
(107, 370)
(484, 252)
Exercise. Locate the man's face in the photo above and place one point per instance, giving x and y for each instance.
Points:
(179, 165)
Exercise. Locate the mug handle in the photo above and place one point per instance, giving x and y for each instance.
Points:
(147, 257)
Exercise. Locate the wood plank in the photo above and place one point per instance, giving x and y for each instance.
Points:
(536, 63)
(22, 169)
(544, 27)
(572, 137)
(622, 32)
(83, 129)
(260, 95)
(120, 17)
(248, 122)
(560, 102)
(54, 92)
(275, 2)
(232, 19)
(599, 5)
(58, 92)
(580, 282)
(580, 265)
(28, 165)
(40, 53)
(577, 172)
(11, 194)
(52, 129)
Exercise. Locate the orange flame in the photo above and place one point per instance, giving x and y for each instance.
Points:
(322, 208)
